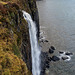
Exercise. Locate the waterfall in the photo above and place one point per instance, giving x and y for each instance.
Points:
(35, 49)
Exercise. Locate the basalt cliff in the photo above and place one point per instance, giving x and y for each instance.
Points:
(15, 49)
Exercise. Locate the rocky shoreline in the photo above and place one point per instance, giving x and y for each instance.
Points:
(48, 56)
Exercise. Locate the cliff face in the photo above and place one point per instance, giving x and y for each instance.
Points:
(14, 36)
(34, 13)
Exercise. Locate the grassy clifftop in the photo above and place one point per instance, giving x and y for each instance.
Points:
(14, 37)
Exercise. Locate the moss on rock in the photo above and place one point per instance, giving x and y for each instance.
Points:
(10, 64)
(12, 28)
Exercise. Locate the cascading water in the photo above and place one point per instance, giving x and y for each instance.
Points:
(35, 50)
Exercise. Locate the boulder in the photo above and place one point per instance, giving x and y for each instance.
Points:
(49, 58)
(68, 53)
(52, 47)
(44, 62)
(45, 40)
(61, 52)
(51, 51)
(64, 58)
(55, 58)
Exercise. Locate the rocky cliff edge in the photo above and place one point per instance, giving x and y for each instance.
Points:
(15, 50)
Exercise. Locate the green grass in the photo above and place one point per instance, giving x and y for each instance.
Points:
(16, 50)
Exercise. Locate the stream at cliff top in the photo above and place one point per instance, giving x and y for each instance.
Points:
(57, 21)
(35, 49)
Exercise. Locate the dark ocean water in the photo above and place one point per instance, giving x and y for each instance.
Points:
(57, 17)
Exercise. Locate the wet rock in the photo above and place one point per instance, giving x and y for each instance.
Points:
(42, 73)
(45, 40)
(64, 58)
(61, 52)
(47, 62)
(52, 47)
(49, 58)
(40, 37)
(44, 62)
(68, 53)
(42, 40)
(55, 58)
(47, 66)
(51, 51)
(44, 56)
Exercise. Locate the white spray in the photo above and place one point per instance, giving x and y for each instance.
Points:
(35, 50)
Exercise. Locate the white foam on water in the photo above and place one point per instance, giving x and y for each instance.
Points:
(63, 55)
